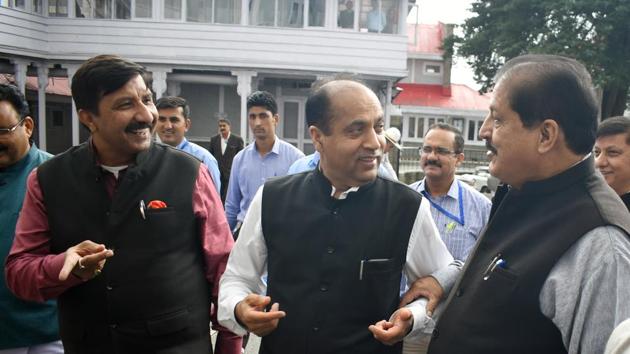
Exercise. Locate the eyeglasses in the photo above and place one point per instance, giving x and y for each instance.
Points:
(442, 151)
(7, 131)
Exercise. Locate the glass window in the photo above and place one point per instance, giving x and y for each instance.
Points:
(102, 9)
(199, 11)
(262, 12)
(291, 13)
(37, 6)
(123, 9)
(412, 127)
(459, 124)
(173, 9)
(316, 13)
(420, 130)
(144, 9)
(227, 11)
(471, 130)
(373, 16)
(432, 69)
(93, 9)
(345, 17)
(393, 13)
(58, 8)
(19, 4)
(4, 3)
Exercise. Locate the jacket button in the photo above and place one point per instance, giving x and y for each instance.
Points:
(435, 333)
(315, 329)
(113, 326)
(109, 287)
(330, 250)
(459, 292)
(323, 288)
(335, 212)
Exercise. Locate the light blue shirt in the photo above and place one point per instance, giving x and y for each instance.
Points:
(206, 157)
(376, 21)
(459, 239)
(250, 171)
(309, 162)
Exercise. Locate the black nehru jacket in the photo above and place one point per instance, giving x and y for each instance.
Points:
(530, 229)
(152, 293)
(315, 247)
(626, 200)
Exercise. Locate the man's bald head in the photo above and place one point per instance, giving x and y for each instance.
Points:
(329, 99)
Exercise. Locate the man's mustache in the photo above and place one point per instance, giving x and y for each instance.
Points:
(133, 126)
(433, 163)
(3, 147)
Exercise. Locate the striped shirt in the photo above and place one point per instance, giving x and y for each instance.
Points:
(459, 239)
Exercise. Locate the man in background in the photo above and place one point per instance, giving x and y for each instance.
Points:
(612, 155)
(224, 146)
(173, 123)
(267, 157)
(459, 211)
(26, 327)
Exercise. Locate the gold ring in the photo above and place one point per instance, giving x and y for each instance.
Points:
(97, 272)
(81, 266)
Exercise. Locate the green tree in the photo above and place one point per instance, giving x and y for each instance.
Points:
(595, 32)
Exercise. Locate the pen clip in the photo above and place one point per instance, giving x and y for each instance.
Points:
(496, 261)
(142, 208)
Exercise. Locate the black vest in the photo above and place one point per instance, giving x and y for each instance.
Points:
(530, 229)
(315, 247)
(152, 293)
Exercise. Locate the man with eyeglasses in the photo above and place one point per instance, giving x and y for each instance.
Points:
(459, 211)
(612, 155)
(26, 326)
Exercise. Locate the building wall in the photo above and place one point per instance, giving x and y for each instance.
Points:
(193, 44)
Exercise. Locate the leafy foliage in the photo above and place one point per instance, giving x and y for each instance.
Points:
(595, 32)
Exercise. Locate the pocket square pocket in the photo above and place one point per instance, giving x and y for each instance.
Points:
(375, 266)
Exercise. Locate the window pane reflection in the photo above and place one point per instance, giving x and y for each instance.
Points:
(227, 11)
(123, 9)
(316, 13)
(291, 13)
(199, 11)
(58, 8)
(144, 9)
(173, 9)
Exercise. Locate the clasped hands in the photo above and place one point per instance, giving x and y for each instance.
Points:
(85, 260)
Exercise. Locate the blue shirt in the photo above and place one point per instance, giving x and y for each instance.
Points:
(249, 172)
(309, 162)
(206, 157)
(23, 323)
(376, 21)
(459, 239)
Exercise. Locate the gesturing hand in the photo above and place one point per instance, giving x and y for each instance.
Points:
(251, 313)
(393, 331)
(426, 287)
(85, 260)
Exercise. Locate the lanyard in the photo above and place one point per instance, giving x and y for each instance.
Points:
(459, 219)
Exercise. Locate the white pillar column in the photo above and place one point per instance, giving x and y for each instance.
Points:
(244, 12)
(388, 104)
(71, 69)
(159, 80)
(42, 83)
(402, 17)
(20, 67)
(244, 89)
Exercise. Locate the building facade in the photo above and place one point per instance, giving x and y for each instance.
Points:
(214, 53)
(427, 96)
